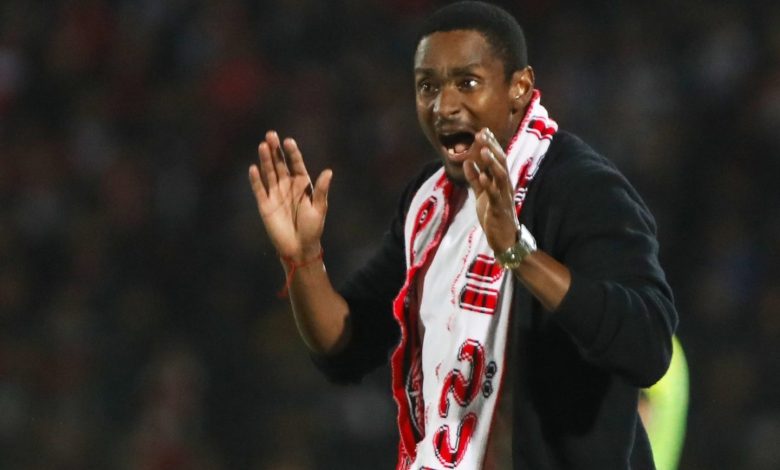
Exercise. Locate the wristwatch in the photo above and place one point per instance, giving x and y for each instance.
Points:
(514, 255)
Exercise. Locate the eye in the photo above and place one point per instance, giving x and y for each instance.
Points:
(468, 84)
(426, 88)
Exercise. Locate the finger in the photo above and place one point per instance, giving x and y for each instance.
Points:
(489, 139)
(267, 166)
(493, 175)
(295, 161)
(486, 138)
(260, 169)
(486, 182)
(473, 174)
(321, 188)
(493, 191)
(497, 202)
(257, 185)
(498, 194)
(494, 167)
(280, 162)
(494, 158)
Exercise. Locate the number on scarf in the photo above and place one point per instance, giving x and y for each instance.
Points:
(448, 455)
(463, 391)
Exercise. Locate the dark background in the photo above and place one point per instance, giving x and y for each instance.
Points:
(138, 323)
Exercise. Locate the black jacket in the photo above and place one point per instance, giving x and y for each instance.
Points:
(576, 371)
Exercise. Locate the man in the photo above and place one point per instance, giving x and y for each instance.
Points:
(532, 306)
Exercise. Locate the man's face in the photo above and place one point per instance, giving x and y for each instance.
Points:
(461, 88)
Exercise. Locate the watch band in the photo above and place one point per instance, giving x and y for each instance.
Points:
(514, 255)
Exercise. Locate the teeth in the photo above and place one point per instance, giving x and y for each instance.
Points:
(451, 151)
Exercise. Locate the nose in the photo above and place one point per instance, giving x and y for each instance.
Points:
(447, 103)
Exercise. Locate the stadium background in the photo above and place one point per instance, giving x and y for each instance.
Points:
(138, 323)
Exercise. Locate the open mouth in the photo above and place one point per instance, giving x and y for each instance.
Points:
(457, 143)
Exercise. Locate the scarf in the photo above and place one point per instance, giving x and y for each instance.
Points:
(454, 310)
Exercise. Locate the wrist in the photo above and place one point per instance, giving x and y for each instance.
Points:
(303, 254)
(291, 266)
(507, 240)
(501, 232)
(513, 256)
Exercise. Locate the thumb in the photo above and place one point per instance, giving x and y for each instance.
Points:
(321, 187)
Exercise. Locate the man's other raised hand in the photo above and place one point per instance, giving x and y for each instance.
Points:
(293, 211)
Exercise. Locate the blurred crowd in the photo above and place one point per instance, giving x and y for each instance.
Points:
(139, 327)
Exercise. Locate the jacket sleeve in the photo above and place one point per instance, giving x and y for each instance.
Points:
(619, 309)
(369, 293)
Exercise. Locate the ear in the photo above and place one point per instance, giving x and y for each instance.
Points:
(522, 88)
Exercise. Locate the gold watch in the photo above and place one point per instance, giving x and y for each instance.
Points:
(514, 255)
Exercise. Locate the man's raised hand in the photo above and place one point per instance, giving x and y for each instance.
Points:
(293, 211)
(489, 178)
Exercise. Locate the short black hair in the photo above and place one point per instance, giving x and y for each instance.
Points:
(499, 27)
(501, 30)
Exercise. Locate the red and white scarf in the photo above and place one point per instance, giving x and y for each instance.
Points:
(454, 315)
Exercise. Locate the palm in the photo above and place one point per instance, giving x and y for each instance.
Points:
(287, 217)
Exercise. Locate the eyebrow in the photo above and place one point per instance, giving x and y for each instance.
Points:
(455, 71)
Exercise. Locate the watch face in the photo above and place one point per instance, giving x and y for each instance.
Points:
(512, 257)
(509, 259)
